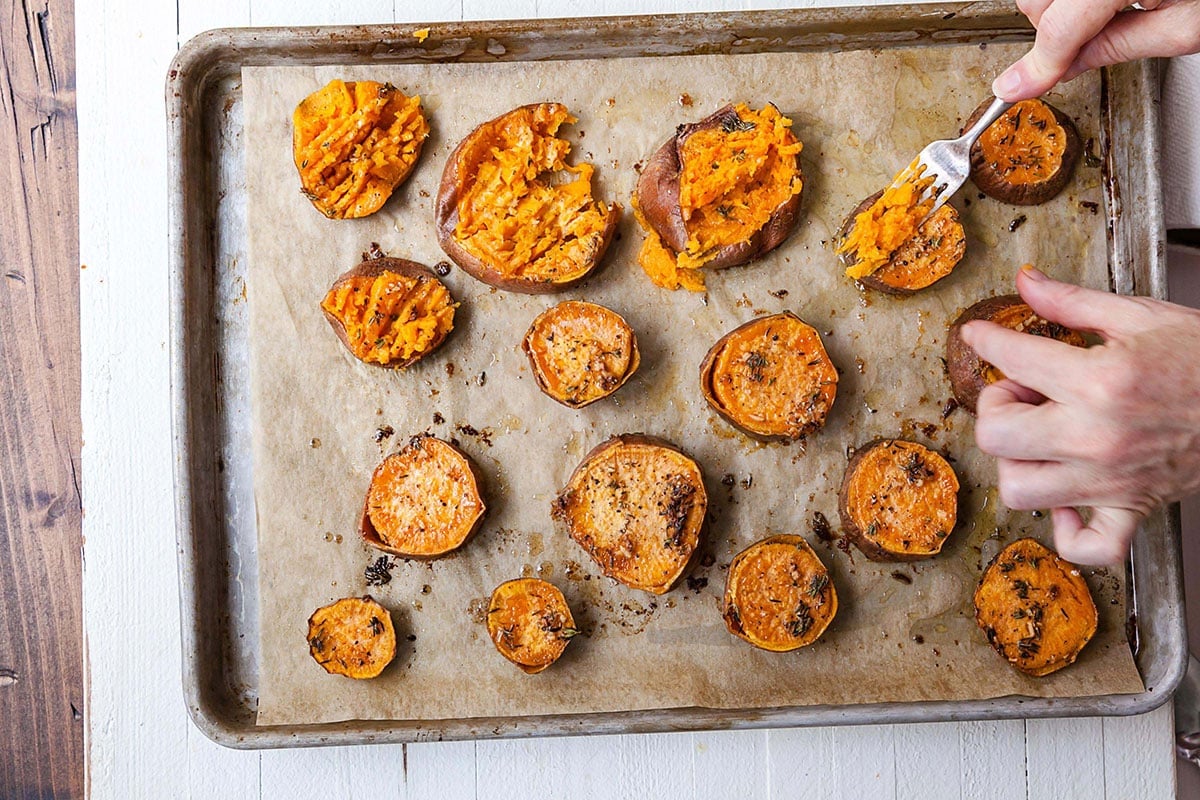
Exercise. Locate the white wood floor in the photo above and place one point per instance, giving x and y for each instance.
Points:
(140, 741)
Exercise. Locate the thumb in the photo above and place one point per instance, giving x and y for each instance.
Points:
(1083, 309)
(1104, 541)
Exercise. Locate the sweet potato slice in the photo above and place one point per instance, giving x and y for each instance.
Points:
(504, 214)
(1035, 608)
(719, 193)
(354, 143)
(423, 501)
(925, 257)
(968, 372)
(389, 312)
(353, 637)
(898, 501)
(770, 378)
(530, 623)
(636, 504)
(581, 352)
(1026, 156)
(778, 595)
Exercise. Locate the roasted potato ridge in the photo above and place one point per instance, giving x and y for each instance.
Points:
(1027, 156)
(581, 352)
(967, 371)
(898, 500)
(923, 260)
(778, 595)
(423, 501)
(1035, 608)
(770, 378)
(580, 246)
(530, 623)
(412, 281)
(636, 504)
(353, 636)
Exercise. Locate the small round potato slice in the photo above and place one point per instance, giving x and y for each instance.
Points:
(423, 501)
(530, 623)
(636, 504)
(1027, 156)
(353, 637)
(770, 378)
(778, 595)
(581, 352)
(898, 501)
(1035, 608)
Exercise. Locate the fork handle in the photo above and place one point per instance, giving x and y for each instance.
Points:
(992, 114)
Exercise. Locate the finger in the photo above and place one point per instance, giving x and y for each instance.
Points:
(1028, 485)
(1019, 393)
(1172, 30)
(1063, 29)
(1033, 9)
(1083, 309)
(1007, 427)
(1047, 366)
(1103, 541)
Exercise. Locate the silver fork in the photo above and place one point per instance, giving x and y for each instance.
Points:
(948, 161)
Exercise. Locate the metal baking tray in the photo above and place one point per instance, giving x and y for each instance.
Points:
(214, 503)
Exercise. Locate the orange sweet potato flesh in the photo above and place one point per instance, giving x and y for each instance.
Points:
(636, 504)
(1026, 156)
(778, 595)
(898, 500)
(353, 637)
(1035, 608)
(389, 312)
(581, 352)
(354, 143)
(423, 502)
(770, 378)
(530, 623)
(513, 213)
(719, 193)
(876, 230)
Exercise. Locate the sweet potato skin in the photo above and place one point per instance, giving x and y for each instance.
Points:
(327, 633)
(658, 197)
(993, 184)
(450, 191)
(529, 346)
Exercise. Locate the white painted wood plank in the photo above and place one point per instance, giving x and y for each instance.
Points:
(334, 773)
(928, 761)
(801, 763)
(195, 18)
(1134, 747)
(321, 12)
(445, 770)
(216, 771)
(992, 755)
(546, 767)
(1064, 755)
(730, 764)
(427, 10)
(657, 765)
(865, 762)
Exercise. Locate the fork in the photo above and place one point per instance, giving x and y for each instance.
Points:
(948, 161)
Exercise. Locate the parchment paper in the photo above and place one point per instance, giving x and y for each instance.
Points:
(903, 632)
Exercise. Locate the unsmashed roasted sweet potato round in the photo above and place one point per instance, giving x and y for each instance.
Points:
(389, 312)
(1035, 608)
(928, 255)
(504, 217)
(636, 504)
(778, 595)
(770, 378)
(423, 501)
(581, 352)
(898, 501)
(1026, 156)
(530, 623)
(720, 192)
(353, 637)
(354, 143)
(968, 372)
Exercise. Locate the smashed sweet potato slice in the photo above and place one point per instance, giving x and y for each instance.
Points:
(779, 595)
(872, 235)
(513, 213)
(636, 504)
(770, 378)
(389, 312)
(581, 352)
(968, 372)
(721, 192)
(353, 637)
(354, 143)
(1026, 156)
(898, 501)
(1035, 608)
(530, 623)
(423, 501)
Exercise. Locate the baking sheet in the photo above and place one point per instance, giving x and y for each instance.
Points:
(316, 410)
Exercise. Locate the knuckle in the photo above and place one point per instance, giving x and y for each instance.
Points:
(987, 437)
(1010, 487)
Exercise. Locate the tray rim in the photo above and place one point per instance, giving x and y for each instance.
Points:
(203, 60)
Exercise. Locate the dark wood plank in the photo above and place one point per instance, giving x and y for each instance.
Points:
(42, 695)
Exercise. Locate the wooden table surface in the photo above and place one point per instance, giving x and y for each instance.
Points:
(140, 742)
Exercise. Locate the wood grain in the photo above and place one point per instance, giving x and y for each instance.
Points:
(42, 697)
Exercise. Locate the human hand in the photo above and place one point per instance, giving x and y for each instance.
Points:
(1074, 36)
(1114, 428)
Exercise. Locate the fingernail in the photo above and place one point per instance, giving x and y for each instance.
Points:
(1008, 84)
(1033, 273)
